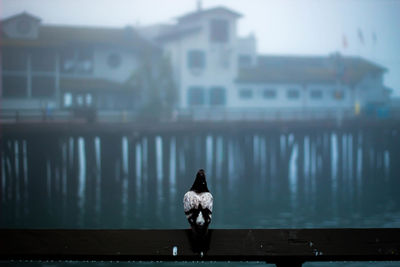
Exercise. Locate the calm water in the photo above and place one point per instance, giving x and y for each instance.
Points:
(258, 179)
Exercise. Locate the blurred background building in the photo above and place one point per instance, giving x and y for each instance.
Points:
(61, 71)
(65, 72)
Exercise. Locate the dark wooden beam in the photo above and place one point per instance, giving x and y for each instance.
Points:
(83, 128)
(284, 247)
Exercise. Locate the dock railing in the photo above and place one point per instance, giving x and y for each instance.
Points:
(283, 247)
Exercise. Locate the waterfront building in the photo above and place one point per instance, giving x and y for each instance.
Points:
(53, 70)
(220, 75)
(62, 71)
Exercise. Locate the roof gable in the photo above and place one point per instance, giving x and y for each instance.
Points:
(24, 15)
(21, 26)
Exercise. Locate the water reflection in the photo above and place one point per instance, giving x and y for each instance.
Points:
(259, 180)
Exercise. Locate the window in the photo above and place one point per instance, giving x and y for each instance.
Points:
(67, 100)
(85, 60)
(43, 86)
(43, 59)
(316, 94)
(79, 100)
(269, 93)
(196, 59)
(89, 99)
(196, 96)
(245, 93)
(68, 60)
(244, 61)
(338, 94)
(219, 31)
(86, 100)
(14, 59)
(293, 94)
(217, 96)
(79, 60)
(14, 86)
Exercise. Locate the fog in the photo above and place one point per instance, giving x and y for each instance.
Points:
(281, 27)
(108, 109)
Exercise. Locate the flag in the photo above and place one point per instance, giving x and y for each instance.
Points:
(344, 41)
(360, 36)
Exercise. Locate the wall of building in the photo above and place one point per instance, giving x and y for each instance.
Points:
(371, 90)
(247, 46)
(118, 73)
(100, 69)
(220, 59)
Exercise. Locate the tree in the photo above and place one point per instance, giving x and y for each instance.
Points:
(155, 83)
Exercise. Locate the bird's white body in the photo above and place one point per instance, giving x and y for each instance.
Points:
(192, 200)
(198, 201)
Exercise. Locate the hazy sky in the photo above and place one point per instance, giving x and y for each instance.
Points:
(281, 26)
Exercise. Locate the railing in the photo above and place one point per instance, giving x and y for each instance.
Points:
(283, 247)
(196, 114)
(191, 114)
(65, 115)
(267, 113)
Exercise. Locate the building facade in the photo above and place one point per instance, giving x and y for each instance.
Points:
(221, 76)
(56, 70)
(52, 69)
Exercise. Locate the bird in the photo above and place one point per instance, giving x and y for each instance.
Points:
(198, 205)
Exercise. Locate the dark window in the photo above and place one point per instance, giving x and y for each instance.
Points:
(244, 61)
(123, 101)
(43, 59)
(293, 94)
(114, 60)
(316, 94)
(338, 94)
(196, 96)
(43, 86)
(269, 93)
(219, 31)
(104, 101)
(109, 101)
(14, 86)
(246, 93)
(217, 96)
(14, 59)
(196, 59)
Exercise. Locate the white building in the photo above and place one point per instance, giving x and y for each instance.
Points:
(220, 75)
(55, 68)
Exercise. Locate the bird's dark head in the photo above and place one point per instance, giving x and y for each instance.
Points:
(200, 183)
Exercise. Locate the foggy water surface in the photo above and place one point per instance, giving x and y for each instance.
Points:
(259, 180)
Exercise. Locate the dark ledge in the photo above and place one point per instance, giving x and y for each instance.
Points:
(284, 247)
